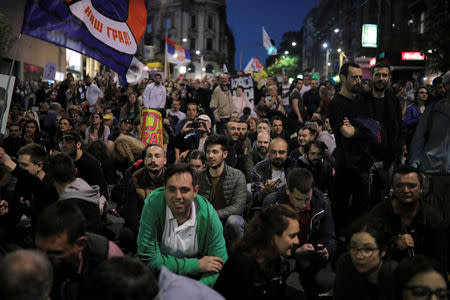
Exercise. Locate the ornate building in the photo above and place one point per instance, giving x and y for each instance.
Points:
(198, 25)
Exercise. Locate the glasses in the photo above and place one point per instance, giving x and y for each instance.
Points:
(366, 251)
(425, 293)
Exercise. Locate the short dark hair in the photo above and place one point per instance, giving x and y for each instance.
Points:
(197, 154)
(379, 65)
(137, 280)
(407, 169)
(178, 168)
(37, 153)
(319, 144)
(157, 74)
(216, 139)
(192, 103)
(344, 69)
(312, 131)
(61, 168)
(297, 80)
(276, 118)
(318, 121)
(438, 80)
(75, 134)
(14, 124)
(300, 179)
(59, 217)
(376, 228)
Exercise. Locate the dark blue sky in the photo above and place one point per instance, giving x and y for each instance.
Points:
(246, 17)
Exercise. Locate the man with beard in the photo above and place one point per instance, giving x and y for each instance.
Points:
(384, 107)
(278, 128)
(200, 96)
(313, 161)
(151, 177)
(236, 154)
(93, 93)
(191, 114)
(257, 154)
(341, 110)
(269, 175)
(74, 253)
(305, 135)
(243, 135)
(311, 99)
(222, 103)
(224, 186)
(155, 94)
(88, 167)
(11, 144)
(416, 226)
(296, 102)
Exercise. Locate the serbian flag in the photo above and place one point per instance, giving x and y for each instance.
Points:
(109, 31)
(177, 54)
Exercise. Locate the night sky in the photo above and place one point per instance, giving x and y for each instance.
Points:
(246, 17)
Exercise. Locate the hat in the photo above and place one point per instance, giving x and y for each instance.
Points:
(204, 118)
(108, 117)
(446, 78)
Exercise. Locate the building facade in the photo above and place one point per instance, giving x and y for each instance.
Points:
(198, 25)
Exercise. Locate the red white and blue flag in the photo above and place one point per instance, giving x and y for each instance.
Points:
(177, 54)
(109, 31)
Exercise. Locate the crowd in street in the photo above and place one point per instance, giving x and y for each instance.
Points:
(342, 186)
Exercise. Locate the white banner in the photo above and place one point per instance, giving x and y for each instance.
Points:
(5, 103)
(49, 71)
(246, 82)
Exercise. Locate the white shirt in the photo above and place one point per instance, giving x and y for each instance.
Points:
(180, 241)
(179, 114)
(279, 174)
(285, 92)
(305, 89)
(155, 96)
(93, 92)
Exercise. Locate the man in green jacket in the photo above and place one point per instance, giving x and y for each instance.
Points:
(181, 230)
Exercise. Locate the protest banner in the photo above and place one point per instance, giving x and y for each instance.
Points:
(151, 128)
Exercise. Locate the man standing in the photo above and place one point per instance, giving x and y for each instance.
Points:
(222, 103)
(155, 94)
(285, 91)
(350, 182)
(384, 108)
(93, 93)
(181, 230)
(224, 187)
(306, 83)
(296, 102)
(269, 175)
(311, 99)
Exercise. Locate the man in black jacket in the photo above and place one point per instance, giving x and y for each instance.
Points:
(317, 239)
(416, 227)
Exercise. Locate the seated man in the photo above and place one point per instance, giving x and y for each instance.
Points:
(74, 253)
(317, 239)
(197, 160)
(181, 230)
(321, 169)
(25, 274)
(305, 135)
(416, 227)
(270, 175)
(224, 187)
(236, 152)
(257, 154)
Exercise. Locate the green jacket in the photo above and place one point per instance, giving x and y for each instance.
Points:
(210, 238)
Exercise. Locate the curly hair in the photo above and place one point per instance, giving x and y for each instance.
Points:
(128, 147)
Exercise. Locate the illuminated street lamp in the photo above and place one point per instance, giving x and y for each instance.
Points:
(294, 44)
(339, 50)
(286, 52)
(184, 40)
(197, 52)
(325, 45)
(336, 30)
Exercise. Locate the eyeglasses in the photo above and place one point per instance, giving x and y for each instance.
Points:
(425, 293)
(366, 251)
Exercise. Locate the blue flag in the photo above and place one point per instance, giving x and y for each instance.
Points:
(106, 30)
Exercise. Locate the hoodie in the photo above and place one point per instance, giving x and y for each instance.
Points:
(88, 199)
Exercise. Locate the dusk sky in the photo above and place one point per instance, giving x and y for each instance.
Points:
(246, 17)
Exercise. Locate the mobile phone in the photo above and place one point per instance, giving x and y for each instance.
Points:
(319, 248)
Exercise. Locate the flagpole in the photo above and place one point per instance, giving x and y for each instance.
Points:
(9, 81)
(165, 57)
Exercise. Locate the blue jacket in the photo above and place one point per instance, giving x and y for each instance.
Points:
(322, 222)
(430, 147)
(412, 118)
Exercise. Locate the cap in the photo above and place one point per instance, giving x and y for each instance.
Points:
(108, 117)
(204, 118)
(446, 78)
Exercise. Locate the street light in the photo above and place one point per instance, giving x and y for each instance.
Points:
(286, 52)
(294, 44)
(184, 40)
(336, 30)
(325, 46)
(339, 50)
(430, 51)
(197, 52)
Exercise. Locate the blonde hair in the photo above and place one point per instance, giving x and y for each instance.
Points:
(128, 147)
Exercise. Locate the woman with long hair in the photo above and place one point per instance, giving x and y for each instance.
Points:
(97, 130)
(364, 273)
(31, 134)
(65, 124)
(257, 269)
(414, 111)
(130, 111)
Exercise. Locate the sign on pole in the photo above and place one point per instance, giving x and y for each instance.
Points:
(5, 103)
(49, 71)
(369, 35)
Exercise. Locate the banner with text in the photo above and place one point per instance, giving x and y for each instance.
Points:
(151, 127)
(246, 82)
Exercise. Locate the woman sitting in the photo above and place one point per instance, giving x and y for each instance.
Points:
(97, 130)
(257, 269)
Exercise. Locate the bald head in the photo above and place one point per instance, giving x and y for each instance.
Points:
(278, 149)
(25, 274)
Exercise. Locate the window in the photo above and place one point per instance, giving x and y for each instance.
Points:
(192, 44)
(422, 23)
(193, 21)
(209, 44)
(168, 23)
(210, 22)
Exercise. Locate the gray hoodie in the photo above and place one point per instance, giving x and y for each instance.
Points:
(80, 189)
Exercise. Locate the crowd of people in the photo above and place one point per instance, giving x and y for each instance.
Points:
(343, 187)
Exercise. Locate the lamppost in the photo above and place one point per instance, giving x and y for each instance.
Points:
(325, 46)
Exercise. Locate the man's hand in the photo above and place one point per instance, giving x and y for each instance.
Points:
(300, 120)
(405, 241)
(324, 252)
(305, 248)
(209, 264)
(6, 160)
(186, 126)
(3, 208)
(183, 156)
(271, 185)
(346, 122)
